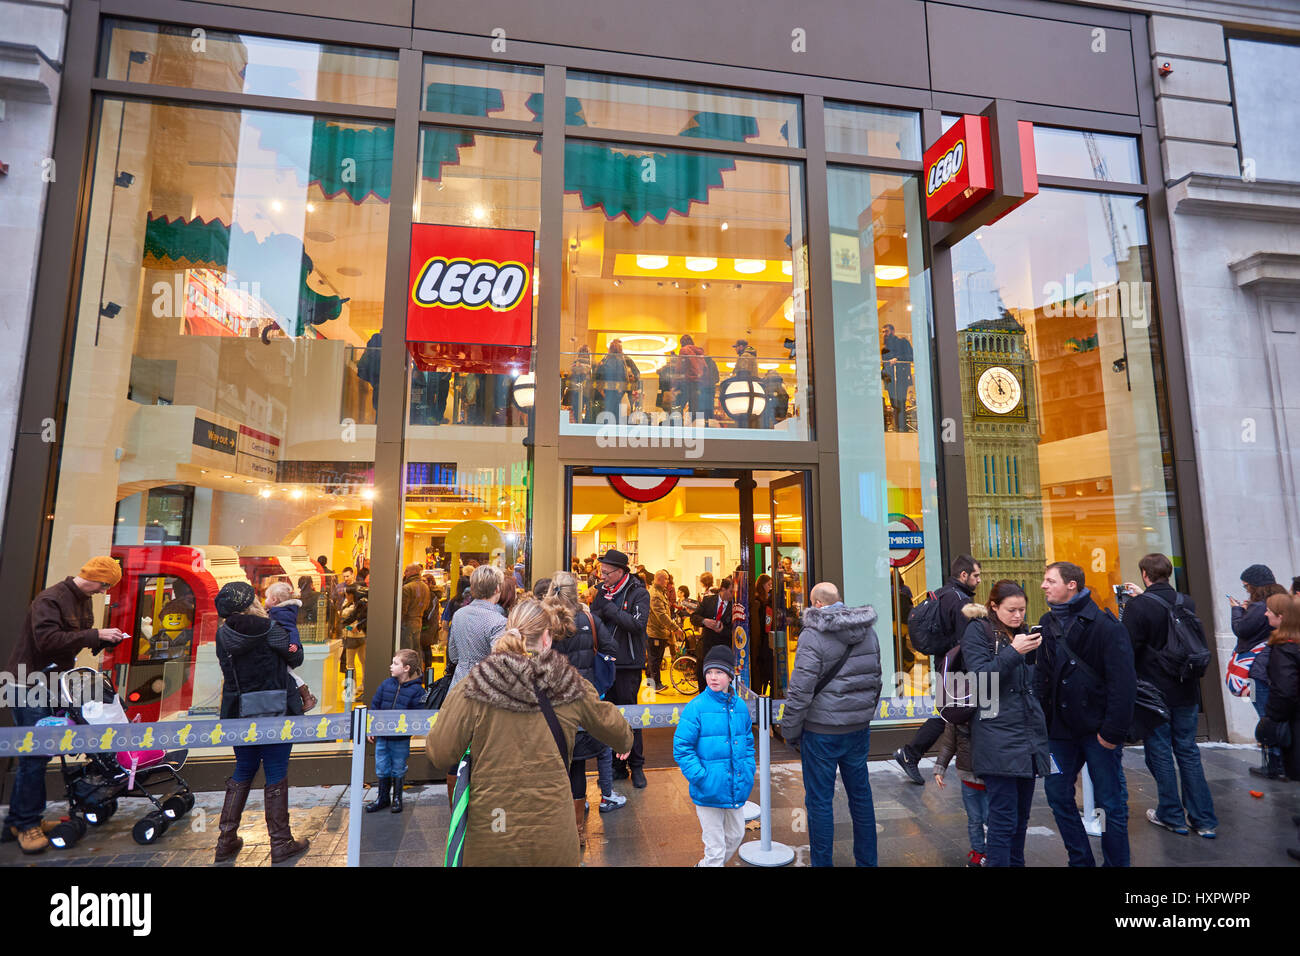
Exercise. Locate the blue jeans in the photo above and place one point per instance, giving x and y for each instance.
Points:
(27, 803)
(390, 756)
(1106, 769)
(1009, 802)
(976, 803)
(274, 759)
(1260, 701)
(605, 771)
(822, 754)
(1178, 739)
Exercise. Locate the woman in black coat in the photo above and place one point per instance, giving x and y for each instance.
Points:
(580, 648)
(1252, 626)
(1282, 712)
(255, 654)
(1008, 734)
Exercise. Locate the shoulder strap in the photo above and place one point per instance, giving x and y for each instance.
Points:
(834, 671)
(595, 639)
(552, 721)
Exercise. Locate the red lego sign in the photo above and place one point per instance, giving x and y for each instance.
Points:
(471, 298)
(958, 169)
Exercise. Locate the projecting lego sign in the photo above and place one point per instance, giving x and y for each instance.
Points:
(959, 169)
(471, 298)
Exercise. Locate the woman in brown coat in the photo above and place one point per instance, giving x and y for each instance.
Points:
(520, 806)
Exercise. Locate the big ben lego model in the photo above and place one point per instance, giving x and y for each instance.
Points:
(1000, 412)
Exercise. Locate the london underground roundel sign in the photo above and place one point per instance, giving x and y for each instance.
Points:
(643, 488)
(906, 542)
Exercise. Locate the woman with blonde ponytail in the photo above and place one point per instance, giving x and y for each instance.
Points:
(498, 713)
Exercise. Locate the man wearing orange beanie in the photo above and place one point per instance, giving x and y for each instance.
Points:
(59, 624)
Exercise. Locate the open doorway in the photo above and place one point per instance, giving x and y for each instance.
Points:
(700, 527)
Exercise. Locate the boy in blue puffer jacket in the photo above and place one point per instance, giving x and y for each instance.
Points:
(714, 747)
(402, 691)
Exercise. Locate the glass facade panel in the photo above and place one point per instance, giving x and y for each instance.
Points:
(884, 391)
(1266, 88)
(499, 91)
(678, 109)
(217, 413)
(873, 131)
(685, 293)
(243, 63)
(468, 480)
(1085, 155)
(1062, 394)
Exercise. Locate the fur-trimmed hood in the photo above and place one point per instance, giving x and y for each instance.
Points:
(849, 625)
(505, 681)
(974, 612)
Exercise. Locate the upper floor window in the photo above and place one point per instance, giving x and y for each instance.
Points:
(1266, 88)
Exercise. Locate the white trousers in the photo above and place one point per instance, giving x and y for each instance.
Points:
(722, 831)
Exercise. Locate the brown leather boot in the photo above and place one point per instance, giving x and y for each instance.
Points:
(580, 814)
(283, 845)
(230, 842)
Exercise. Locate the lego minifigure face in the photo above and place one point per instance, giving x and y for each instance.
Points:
(174, 621)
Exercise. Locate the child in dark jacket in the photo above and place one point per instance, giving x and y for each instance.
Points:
(714, 747)
(974, 797)
(402, 691)
(283, 608)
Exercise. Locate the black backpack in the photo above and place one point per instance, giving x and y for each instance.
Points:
(925, 626)
(1185, 655)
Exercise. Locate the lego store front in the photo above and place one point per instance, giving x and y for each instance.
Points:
(255, 393)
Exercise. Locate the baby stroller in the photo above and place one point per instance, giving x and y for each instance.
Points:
(94, 785)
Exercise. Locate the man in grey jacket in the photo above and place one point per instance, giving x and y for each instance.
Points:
(830, 701)
(476, 626)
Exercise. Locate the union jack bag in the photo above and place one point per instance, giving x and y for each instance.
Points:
(1238, 677)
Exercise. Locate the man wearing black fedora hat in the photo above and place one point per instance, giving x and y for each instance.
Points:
(622, 608)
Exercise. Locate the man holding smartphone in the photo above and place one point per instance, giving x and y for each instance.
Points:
(1087, 684)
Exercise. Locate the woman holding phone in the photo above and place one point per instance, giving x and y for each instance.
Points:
(1008, 734)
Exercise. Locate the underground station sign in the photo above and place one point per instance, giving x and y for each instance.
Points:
(960, 171)
(471, 298)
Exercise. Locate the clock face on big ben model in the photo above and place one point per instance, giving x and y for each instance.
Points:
(998, 389)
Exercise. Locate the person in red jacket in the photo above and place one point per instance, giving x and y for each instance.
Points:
(59, 624)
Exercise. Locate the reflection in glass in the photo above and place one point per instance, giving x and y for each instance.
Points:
(217, 414)
(1081, 154)
(490, 90)
(172, 55)
(873, 131)
(1266, 88)
(685, 293)
(1067, 454)
(880, 290)
(679, 109)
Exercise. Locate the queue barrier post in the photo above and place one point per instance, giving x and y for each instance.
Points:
(765, 852)
(357, 787)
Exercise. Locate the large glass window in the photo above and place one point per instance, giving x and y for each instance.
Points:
(1067, 451)
(197, 58)
(499, 91)
(1085, 155)
(685, 292)
(884, 395)
(1266, 87)
(873, 131)
(221, 382)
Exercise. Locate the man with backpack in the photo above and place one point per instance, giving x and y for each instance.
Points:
(830, 700)
(1170, 651)
(935, 627)
(1085, 680)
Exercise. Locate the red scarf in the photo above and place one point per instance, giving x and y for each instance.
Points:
(611, 592)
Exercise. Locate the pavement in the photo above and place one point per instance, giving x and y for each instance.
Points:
(916, 826)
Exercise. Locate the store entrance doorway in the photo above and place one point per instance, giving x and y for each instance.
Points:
(701, 526)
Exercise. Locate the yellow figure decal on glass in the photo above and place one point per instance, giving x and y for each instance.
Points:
(286, 732)
(780, 712)
(216, 734)
(27, 745)
(675, 717)
(66, 743)
(323, 728)
(251, 736)
(401, 724)
(645, 717)
(147, 740)
(183, 735)
(106, 739)
(370, 722)
(911, 707)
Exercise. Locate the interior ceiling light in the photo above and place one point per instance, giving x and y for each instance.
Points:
(479, 213)
(750, 266)
(787, 267)
(789, 310)
(701, 263)
(652, 262)
(768, 366)
(724, 226)
(311, 207)
(890, 273)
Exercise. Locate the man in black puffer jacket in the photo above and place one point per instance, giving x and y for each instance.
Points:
(255, 654)
(831, 726)
(957, 592)
(1085, 679)
(622, 609)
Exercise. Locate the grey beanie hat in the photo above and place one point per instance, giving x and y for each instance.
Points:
(1258, 575)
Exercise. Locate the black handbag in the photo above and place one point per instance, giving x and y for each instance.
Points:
(258, 703)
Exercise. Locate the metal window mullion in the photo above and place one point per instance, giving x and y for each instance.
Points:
(669, 141)
(251, 101)
(1093, 185)
(880, 163)
(481, 123)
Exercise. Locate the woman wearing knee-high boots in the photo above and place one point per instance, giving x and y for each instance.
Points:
(255, 654)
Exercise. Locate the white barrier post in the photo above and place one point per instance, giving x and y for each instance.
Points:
(765, 852)
(356, 790)
(1091, 817)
